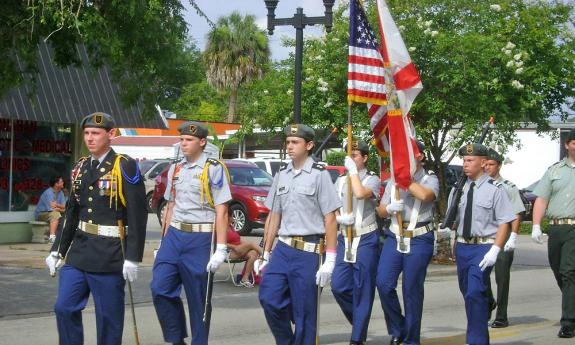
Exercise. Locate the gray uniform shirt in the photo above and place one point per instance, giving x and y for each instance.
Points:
(491, 207)
(513, 194)
(369, 181)
(302, 199)
(557, 187)
(425, 211)
(188, 208)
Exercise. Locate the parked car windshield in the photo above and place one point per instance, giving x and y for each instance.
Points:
(249, 176)
(145, 165)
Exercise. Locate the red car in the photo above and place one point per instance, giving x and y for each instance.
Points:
(249, 186)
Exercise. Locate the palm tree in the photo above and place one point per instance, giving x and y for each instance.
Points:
(237, 52)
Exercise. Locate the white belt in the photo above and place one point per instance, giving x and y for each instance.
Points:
(192, 227)
(100, 230)
(357, 232)
(476, 240)
(422, 230)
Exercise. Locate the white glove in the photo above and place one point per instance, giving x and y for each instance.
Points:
(130, 270)
(394, 207)
(157, 249)
(350, 165)
(53, 261)
(536, 234)
(261, 263)
(490, 257)
(219, 256)
(510, 244)
(323, 275)
(345, 219)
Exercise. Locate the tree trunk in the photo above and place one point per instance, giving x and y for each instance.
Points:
(232, 105)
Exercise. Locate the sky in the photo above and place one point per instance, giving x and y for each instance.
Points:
(198, 27)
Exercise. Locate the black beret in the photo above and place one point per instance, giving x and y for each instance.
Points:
(194, 128)
(494, 155)
(420, 146)
(359, 145)
(473, 150)
(98, 120)
(299, 130)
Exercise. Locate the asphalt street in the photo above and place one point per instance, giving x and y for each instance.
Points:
(28, 295)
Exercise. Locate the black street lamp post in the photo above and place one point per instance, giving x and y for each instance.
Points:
(298, 21)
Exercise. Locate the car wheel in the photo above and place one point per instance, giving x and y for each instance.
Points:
(149, 202)
(161, 211)
(240, 219)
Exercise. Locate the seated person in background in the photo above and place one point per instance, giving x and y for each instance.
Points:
(243, 250)
(51, 205)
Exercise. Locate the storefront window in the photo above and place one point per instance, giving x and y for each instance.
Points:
(39, 152)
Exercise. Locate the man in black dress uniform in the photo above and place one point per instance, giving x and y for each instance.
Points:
(106, 189)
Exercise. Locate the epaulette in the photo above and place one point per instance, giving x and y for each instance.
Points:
(556, 164)
(319, 167)
(495, 183)
(509, 183)
(283, 166)
(213, 161)
(81, 161)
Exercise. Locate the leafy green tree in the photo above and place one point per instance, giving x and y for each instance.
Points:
(514, 60)
(141, 41)
(236, 53)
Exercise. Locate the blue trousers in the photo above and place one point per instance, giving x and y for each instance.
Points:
(473, 284)
(414, 267)
(108, 294)
(181, 260)
(353, 285)
(288, 293)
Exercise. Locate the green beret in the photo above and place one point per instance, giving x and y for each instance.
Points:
(494, 155)
(194, 128)
(299, 130)
(571, 135)
(98, 120)
(473, 150)
(359, 145)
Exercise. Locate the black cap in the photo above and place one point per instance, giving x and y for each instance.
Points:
(194, 128)
(299, 130)
(473, 150)
(494, 155)
(98, 120)
(359, 145)
(571, 135)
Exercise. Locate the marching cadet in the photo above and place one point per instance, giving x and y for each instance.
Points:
(410, 253)
(353, 280)
(107, 189)
(302, 202)
(482, 229)
(505, 258)
(197, 193)
(555, 195)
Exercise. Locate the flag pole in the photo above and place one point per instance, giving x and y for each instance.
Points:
(349, 229)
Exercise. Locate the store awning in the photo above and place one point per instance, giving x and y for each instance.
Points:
(66, 95)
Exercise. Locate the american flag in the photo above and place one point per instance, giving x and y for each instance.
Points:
(365, 76)
(372, 79)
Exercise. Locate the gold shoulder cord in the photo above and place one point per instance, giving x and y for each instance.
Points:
(116, 190)
(205, 193)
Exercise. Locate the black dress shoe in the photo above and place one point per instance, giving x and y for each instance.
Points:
(353, 342)
(395, 341)
(499, 324)
(566, 332)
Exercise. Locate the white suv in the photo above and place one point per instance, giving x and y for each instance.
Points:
(269, 164)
